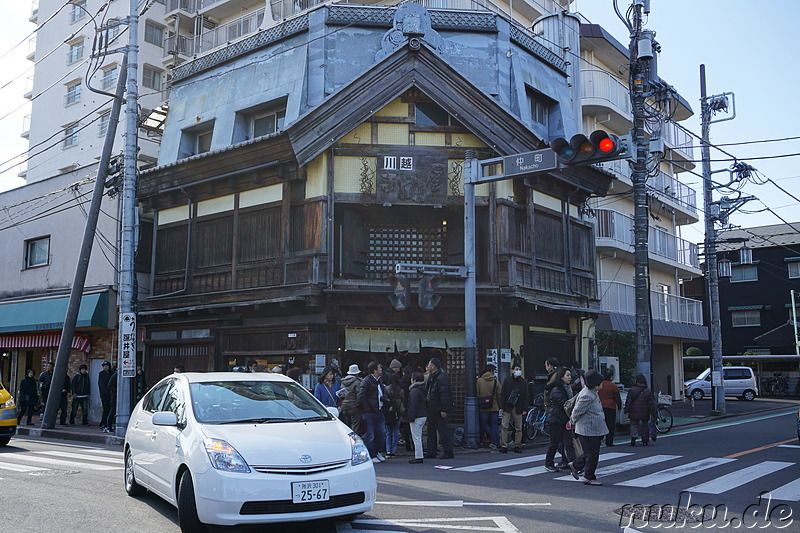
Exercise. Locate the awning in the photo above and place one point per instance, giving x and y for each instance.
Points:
(44, 340)
(623, 322)
(381, 340)
(48, 313)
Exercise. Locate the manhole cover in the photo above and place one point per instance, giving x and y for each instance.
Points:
(54, 472)
(643, 514)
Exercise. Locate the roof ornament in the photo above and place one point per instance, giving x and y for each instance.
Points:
(412, 26)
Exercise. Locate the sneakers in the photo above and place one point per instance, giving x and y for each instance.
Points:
(414, 461)
(380, 457)
(517, 449)
(492, 447)
(376, 460)
(573, 470)
(551, 469)
(389, 455)
(503, 449)
(592, 482)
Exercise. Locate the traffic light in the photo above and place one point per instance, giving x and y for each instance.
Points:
(599, 146)
(401, 292)
(427, 297)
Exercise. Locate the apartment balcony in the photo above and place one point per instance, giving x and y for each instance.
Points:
(231, 31)
(28, 88)
(188, 7)
(603, 94)
(681, 142)
(31, 49)
(222, 9)
(26, 127)
(616, 297)
(679, 197)
(179, 47)
(34, 12)
(614, 232)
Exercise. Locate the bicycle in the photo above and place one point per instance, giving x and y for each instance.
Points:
(663, 419)
(535, 423)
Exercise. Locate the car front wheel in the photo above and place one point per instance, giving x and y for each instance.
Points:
(749, 395)
(187, 506)
(4, 441)
(697, 394)
(131, 487)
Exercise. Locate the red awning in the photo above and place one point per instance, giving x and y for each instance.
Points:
(43, 340)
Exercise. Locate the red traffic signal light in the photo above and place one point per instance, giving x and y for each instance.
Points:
(599, 146)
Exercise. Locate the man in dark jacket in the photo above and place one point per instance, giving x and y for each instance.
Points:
(105, 395)
(640, 406)
(440, 402)
(45, 378)
(372, 400)
(27, 396)
(81, 389)
(62, 401)
(514, 402)
(350, 413)
(551, 366)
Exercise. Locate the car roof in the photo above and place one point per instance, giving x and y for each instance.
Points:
(205, 377)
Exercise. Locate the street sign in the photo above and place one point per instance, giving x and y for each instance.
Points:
(127, 345)
(527, 162)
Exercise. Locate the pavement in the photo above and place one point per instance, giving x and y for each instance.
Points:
(683, 412)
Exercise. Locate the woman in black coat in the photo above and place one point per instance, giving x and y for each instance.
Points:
(417, 413)
(27, 396)
(640, 406)
(558, 392)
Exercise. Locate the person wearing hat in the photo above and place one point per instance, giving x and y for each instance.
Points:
(105, 395)
(277, 369)
(349, 413)
(590, 426)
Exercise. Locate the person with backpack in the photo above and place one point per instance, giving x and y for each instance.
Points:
(350, 414)
(372, 400)
(590, 425)
(514, 403)
(416, 415)
(488, 392)
(559, 427)
(640, 406)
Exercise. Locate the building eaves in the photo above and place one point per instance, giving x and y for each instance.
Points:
(772, 236)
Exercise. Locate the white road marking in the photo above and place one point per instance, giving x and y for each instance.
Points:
(739, 478)
(789, 492)
(527, 472)
(675, 473)
(461, 503)
(65, 445)
(795, 446)
(500, 464)
(622, 467)
(83, 457)
(500, 524)
(21, 468)
(57, 462)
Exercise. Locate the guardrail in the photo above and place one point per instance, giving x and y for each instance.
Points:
(616, 297)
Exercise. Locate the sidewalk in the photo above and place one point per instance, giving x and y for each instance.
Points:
(90, 433)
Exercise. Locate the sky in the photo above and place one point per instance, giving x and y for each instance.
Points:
(745, 45)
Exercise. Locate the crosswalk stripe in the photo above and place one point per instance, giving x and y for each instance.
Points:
(739, 478)
(622, 467)
(83, 457)
(501, 464)
(58, 462)
(20, 468)
(795, 446)
(675, 473)
(527, 472)
(789, 492)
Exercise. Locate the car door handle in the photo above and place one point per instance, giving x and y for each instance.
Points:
(153, 435)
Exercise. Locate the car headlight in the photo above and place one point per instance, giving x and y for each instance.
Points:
(360, 452)
(9, 403)
(223, 456)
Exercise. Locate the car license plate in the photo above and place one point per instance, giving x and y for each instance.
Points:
(310, 491)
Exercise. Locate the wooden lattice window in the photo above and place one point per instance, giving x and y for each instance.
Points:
(390, 244)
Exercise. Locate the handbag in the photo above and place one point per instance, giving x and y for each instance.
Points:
(513, 397)
(569, 405)
(485, 402)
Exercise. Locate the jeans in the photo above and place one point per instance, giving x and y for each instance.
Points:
(25, 406)
(517, 428)
(559, 434)
(392, 436)
(374, 436)
(591, 454)
(438, 425)
(104, 420)
(489, 425)
(416, 435)
(611, 422)
(84, 404)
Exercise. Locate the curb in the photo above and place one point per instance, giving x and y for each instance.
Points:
(59, 434)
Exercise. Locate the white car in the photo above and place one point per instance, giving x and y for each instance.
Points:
(229, 448)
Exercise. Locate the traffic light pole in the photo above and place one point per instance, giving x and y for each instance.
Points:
(470, 301)
(639, 84)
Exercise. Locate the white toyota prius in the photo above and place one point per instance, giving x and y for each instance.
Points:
(229, 448)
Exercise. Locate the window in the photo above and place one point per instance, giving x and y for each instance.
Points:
(390, 244)
(109, 80)
(73, 95)
(744, 273)
(153, 34)
(78, 11)
(103, 123)
(114, 29)
(37, 252)
(259, 120)
(745, 318)
(430, 114)
(540, 107)
(794, 270)
(70, 135)
(75, 52)
(151, 78)
(266, 123)
(196, 140)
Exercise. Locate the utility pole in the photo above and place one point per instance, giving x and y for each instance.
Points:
(794, 324)
(640, 59)
(471, 434)
(126, 368)
(79, 280)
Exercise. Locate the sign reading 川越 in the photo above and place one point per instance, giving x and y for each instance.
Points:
(526, 162)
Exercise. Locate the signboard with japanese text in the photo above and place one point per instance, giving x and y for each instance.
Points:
(411, 180)
(127, 345)
(528, 162)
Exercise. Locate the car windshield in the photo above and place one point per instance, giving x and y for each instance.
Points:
(232, 402)
(704, 374)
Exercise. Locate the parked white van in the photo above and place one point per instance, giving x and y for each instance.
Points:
(739, 381)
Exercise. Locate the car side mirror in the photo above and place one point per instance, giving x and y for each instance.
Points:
(334, 411)
(165, 418)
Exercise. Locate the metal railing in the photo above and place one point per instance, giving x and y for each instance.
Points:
(231, 31)
(605, 86)
(189, 6)
(662, 183)
(678, 137)
(180, 44)
(26, 124)
(619, 227)
(616, 297)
